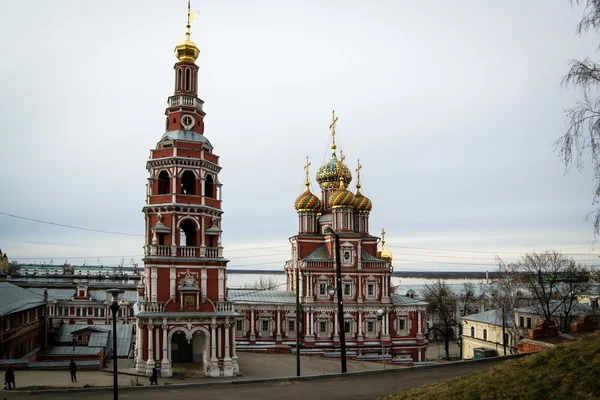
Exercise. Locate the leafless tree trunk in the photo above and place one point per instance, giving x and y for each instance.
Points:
(442, 302)
(582, 137)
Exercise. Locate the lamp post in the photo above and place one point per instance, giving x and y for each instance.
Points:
(114, 307)
(380, 314)
(338, 279)
(297, 320)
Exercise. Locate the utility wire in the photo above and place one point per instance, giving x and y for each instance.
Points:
(473, 251)
(69, 226)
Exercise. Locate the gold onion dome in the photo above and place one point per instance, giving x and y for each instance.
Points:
(308, 202)
(384, 253)
(186, 50)
(341, 198)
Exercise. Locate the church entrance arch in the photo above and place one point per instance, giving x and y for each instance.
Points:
(190, 346)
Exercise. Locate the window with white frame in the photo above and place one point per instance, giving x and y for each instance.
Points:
(102, 312)
(347, 289)
(348, 327)
(401, 324)
(322, 289)
(239, 325)
(323, 328)
(485, 334)
(370, 289)
(291, 327)
(370, 326)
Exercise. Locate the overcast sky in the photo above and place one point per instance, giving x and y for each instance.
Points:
(452, 108)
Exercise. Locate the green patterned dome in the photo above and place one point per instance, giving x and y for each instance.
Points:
(308, 202)
(341, 198)
(362, 204)
(330, 173)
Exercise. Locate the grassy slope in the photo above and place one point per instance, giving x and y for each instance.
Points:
(570, 371)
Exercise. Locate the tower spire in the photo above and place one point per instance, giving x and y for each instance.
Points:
(187, 51)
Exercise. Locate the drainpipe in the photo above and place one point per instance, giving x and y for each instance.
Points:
(45, 328)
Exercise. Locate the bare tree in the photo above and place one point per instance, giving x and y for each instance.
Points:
(442, 303)
(553, 281)
(264, 283)
(507, 295)
(582, 137)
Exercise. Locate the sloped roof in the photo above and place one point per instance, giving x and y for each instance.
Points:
(14, 298)
(100, 337)
(401, 300)
(70, 350)
(578, 309)
(491, 317)
(95, 295)
(368, 257)
(253, 296)
(320, 253)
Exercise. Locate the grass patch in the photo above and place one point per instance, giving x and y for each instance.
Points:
(569, 371)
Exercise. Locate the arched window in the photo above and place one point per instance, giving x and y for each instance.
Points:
(209, 186)
(187, 233)
(179, 79)
(485, 334)
(187, 79)
(195, 81)
(506, 339)
(472, 331)
(188, 183)
(163, 183)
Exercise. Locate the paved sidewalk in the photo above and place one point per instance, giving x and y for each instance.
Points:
(252, 366)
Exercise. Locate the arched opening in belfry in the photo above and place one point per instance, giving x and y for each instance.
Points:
(194, 351)
(178, 79)
(188, 183)
(209, 186)
(187, 79)
(187, 233)
(163, 182)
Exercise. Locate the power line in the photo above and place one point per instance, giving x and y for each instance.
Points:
(474, 251)
(69, 226)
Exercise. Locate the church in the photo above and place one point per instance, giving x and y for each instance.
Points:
(187, 314)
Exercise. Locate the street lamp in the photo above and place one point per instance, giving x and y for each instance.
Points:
(338, 279)
(380, 314)
(114, 307)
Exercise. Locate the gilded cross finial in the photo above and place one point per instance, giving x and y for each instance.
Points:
(358, 168)
(306, 182)
(332, 127)
(382, 238)
(342, 156)
(190, 17)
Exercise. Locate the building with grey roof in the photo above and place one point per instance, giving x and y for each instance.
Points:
(21, 321)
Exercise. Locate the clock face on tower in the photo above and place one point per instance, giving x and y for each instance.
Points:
(187, 121)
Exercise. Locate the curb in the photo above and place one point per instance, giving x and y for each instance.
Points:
(493, 360)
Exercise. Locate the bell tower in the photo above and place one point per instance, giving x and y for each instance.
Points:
(184, 316)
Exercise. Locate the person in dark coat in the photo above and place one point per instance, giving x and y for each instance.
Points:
(154, 376)
(9, 377)
(73, 369)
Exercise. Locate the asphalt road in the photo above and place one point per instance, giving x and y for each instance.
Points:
(350, 387)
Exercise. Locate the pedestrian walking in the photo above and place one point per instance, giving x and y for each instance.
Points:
(9, 378)
(154, 376)
(73, 369)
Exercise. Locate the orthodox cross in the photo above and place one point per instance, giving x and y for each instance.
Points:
(332, 127)
(382, 237)
(358, 168)
(306, 170)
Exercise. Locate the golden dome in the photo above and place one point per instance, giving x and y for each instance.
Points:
(384, 253)
(186, 50)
